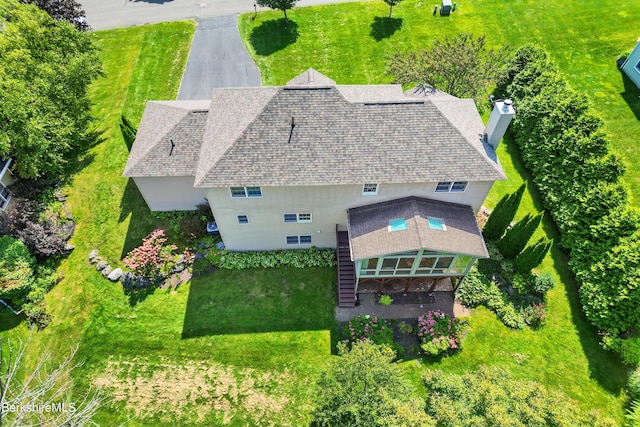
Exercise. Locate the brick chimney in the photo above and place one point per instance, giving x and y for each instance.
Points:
(499, 120)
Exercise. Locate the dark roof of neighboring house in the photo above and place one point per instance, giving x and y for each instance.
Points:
(314, 132)
(164, 122)
(370, 237)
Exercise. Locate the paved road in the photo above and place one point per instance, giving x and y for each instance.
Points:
(217, 59)
(106, 14)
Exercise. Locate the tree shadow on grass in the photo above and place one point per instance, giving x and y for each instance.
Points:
(604, 366)
(631, 94)
(383, 28)
(273, 35)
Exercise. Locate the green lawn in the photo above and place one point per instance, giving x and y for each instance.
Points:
(243, 348)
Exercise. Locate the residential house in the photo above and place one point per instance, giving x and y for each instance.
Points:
(631, 66)
(6, 179)
(393, 179)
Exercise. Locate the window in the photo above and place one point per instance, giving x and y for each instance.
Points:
(436, 223)
(451, 186)
(397, 224)
(5, 196)
(298, 240)
(246, 192)
(369, 189)
(297, 217)
(638, 66)
(243, 219)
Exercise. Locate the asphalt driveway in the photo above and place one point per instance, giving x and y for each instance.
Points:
(217, 59)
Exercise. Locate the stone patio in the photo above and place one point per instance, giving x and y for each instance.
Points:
(368, 304)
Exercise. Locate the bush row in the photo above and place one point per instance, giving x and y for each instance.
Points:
(298, 258)
(563, 144)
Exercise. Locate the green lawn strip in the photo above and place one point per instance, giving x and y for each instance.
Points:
(337, 40)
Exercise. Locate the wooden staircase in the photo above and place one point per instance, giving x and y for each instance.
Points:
(346, 272)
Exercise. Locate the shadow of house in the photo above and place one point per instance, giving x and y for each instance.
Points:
(273, 35)
(260, 300)
(631, 94)
(383, 28)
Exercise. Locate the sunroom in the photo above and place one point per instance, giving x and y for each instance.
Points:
(413, 245)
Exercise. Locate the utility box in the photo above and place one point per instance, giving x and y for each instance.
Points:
(446, 8)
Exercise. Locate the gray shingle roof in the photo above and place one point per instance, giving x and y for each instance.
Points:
(342, 135)
(163, 122)
(335, 141)
(370, 236)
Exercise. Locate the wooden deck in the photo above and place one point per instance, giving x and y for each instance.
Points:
(346, 271)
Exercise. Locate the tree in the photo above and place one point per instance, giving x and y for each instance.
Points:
(503, 214)
(42, 397)
(365, 388)
(16, 268)
(490, 397)
(514, 240)
(282, 5)
(460, 65)
(392, 3)
(63, 10)
(532, 256)
(45, 69)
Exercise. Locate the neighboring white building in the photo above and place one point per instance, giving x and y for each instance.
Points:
(296, 166)
(631, 66)
(6, 179)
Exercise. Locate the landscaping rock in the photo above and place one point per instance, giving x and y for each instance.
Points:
(178, 268)
(93, 255)
(101, 265)
(199, 255)
(128, 280)
(106, 271)
(67, 214)
(220, 245)
(68, 228)
(115, 275)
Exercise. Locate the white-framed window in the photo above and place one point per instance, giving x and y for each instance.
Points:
(451, 186)
(238, 192)
(243, 219)
(638, 67)
(297, 217)
(299, 240)
(369, 189)
(5, 196)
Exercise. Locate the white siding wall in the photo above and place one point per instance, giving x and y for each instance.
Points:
(328, 205)
(7, 179)
(170, 193)
(629, 66)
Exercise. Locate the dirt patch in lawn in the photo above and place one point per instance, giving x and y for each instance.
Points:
(189, 392)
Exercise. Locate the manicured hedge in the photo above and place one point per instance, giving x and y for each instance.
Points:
(563, 144)
(299, 258)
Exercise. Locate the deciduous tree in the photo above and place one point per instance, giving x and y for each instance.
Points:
(63, 10)
(45, 69)
(392, 3)
(282, 5)
(460, 65)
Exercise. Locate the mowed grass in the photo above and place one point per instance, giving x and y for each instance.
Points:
(236, 348)
(350, 44)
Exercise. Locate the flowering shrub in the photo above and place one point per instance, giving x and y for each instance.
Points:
(154, 259)
(298, 258)
(370, 328)
(439, 333)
